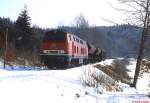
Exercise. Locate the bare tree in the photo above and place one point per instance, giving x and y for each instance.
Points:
(81, 22)
(141, 15)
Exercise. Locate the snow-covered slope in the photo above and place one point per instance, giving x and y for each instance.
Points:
(58, 86)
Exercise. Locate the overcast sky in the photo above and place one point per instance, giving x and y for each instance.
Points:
(52, 13)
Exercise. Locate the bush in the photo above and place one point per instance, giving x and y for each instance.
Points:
(28, 59)
(93, 77)
(145, 66)
(117, 70)
(119, 67)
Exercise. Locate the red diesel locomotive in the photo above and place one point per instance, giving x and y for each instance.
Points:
(60, 48)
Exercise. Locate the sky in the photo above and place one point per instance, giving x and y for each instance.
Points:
(53, 13)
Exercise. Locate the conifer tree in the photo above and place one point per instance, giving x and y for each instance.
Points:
(24, 31)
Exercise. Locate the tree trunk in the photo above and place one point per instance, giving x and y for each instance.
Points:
(145, 32)
(5, 51)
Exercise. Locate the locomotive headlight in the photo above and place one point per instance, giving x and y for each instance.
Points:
(45, 51)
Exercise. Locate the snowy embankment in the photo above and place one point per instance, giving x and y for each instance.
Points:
(60, 86)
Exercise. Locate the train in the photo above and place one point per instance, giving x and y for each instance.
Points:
(63, 49)
(95, 54)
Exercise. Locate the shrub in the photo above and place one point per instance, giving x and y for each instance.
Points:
(93, 77)
(117, 70)
(145, 66)
(119, 67)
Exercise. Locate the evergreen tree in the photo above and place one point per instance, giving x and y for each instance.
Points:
(24, 31)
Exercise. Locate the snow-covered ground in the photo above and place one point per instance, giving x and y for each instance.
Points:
(63, 86)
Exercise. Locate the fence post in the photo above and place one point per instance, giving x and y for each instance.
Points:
(5, 45)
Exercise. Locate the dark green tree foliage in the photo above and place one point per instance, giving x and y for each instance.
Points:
(6, 23)
(24, 31)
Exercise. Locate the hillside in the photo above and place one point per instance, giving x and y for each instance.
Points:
(117, 41)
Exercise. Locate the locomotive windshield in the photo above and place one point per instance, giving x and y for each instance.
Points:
(54, 35)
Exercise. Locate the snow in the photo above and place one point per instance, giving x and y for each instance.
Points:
(131, 67)
(142, 84)
(30, 85)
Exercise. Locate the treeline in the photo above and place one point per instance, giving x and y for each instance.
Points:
(18, 38)
(116, 41)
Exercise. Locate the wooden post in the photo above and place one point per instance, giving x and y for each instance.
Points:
(24, 60)
(5, 45)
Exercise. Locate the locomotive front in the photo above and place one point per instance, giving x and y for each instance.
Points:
(54, 50)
